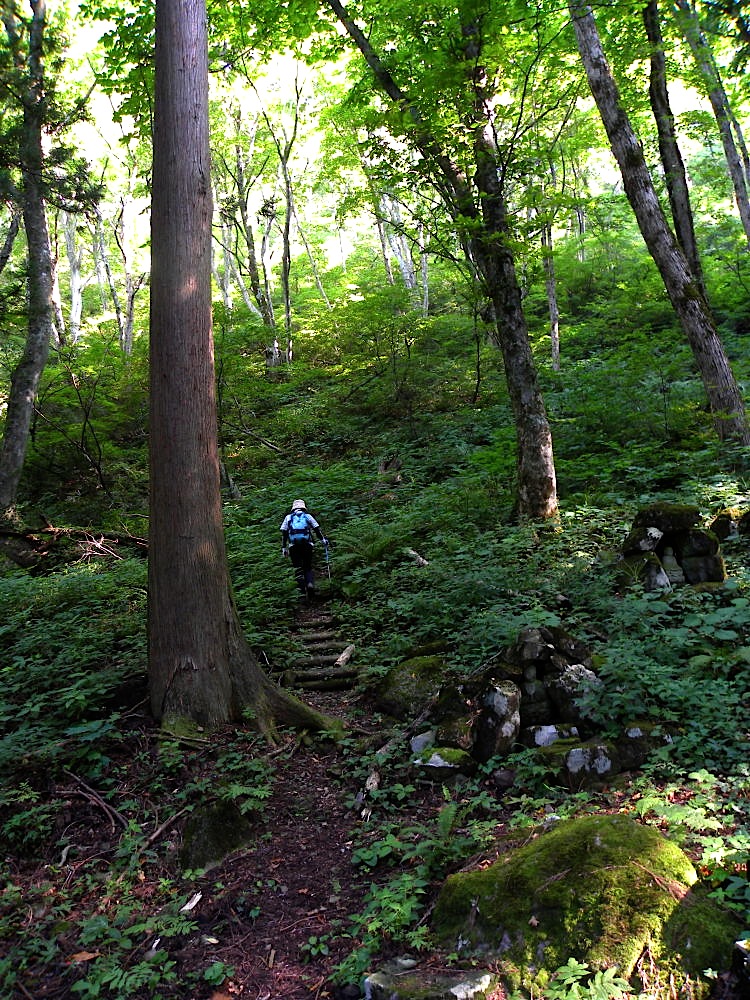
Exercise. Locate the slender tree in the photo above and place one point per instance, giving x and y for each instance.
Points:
(669, 149)
(732, 138)
(479, 209)
(723, 394)
(26, 41)
(201, 669)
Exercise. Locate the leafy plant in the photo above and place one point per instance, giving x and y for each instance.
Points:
(316, 946)
(576, 981)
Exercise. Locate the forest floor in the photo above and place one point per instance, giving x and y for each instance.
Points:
(273, 912)
(274, 917)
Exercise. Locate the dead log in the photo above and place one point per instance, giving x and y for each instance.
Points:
(319, 660)
(346, 655)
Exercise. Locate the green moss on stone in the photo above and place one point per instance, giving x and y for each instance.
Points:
(601, 889)
(451, 755)
(667, 516)
(213, 831)
(444, 763)
(409, 685)
(182, 728)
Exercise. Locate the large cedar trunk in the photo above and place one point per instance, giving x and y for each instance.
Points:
(40, 282)
(201, 669)
(692, 310)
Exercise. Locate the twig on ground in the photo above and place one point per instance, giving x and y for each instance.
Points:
(95, 798)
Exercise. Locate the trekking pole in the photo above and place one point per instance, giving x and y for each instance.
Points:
(328, 559)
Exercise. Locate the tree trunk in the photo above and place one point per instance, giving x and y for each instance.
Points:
(10, 237)
(489, 248)
(537, 484)
(688, 22)
(671, 158)
(550, 284)
(104, 271)
(40, 281)
(691, 308)
(311, 258)
(201, 670)
(76, 282)
(424, 270)
(243, 185)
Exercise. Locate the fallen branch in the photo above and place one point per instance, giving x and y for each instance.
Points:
(419, 560)
(263, 441)
(345, 656)
(165, 826)
(373, 778)
(95, 798)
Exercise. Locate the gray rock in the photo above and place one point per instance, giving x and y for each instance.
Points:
(499, 721)
(395, 984)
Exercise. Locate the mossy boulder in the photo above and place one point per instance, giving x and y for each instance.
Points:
(667, 516)
(725, 523)
(589, 764)
(645, 568)
(213, 831)
(665, 546)
(396, 983)
(604, 890)
(444, 764)
(410, 685)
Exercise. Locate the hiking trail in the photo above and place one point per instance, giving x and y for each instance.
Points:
(325, 663)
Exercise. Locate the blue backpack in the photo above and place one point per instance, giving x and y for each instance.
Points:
(299, 528)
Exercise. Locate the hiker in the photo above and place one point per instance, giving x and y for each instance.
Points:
(297, 530)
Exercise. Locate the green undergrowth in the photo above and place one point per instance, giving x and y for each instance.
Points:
(404, 450)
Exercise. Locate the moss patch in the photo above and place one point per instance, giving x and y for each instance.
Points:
(601, 889)
(212, 832)
(410, 685)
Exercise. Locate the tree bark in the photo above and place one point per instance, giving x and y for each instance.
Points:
(724, 396)
(671, 158)
(201, 669)
(40, 281)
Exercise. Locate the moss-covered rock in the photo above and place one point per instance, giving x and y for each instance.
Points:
(410, 685)
(604, 890)
(704, 569)
(574, 763)
(667, 516)
(725, 523)
(645, 568)
(666, 547)
(444, 763)
(395, 983)
(213, 831)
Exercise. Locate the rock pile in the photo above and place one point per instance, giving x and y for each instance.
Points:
(666, 548)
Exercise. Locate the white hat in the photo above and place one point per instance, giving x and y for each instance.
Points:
(299, 505)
